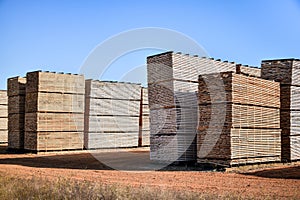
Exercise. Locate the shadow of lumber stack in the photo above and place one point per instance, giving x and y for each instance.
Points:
(287, 72)
(3, 116)
(54, 116)
(16, 112)
(144, 131)
(112, 112)
(238, 119)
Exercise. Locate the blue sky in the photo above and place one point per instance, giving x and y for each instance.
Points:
(58, 35)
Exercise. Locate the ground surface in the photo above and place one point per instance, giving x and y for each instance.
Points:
(281, 181)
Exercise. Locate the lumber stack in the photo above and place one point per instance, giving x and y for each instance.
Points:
(172, 88)
(172, 85)
(112, 111)
(54, 107)
(16, 87)
(3, 116)
(248, 70)
(243, 125)
(287, 72)
(144, 131)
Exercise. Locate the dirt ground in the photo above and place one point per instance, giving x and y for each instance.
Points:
(260, 181)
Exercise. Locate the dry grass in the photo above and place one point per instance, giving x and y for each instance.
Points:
(37, 188)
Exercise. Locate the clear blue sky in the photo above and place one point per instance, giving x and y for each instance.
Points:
(57, 35)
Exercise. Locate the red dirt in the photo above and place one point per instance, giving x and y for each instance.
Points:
(279, 181)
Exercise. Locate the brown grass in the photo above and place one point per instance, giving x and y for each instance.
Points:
(37, 188)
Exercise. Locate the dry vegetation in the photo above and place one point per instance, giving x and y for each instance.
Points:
(37, 188)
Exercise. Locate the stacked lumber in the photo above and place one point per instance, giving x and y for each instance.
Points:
(3, 116)
(112, 111)
(248, 70)
(54, 106)
(241, 127)
(144, 131)
(287, 72)
(172, 87)
(16, 112)
(173, 84)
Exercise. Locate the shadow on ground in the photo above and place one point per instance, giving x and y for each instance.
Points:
(283, 173)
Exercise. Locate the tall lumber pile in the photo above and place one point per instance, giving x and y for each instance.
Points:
(250, 131)
(173, 102)
(16, 87)
(144, 131)
(286, 71)
(112, 112)
(3, 116)
(54, 108)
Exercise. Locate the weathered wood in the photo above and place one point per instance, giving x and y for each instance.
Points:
(237, 88)
(54, 122)
(16, 104)
(54, 82)
(16, 86)
(285, 71)
(249, 71)
(248, 131)
(53, 141)
(54, 102)
(16, 89)
(16, 139)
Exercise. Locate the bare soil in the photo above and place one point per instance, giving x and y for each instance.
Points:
(280, 181)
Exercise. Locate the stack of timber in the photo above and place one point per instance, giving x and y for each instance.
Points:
(16, 112)
(112, 111)
(173, 87)
(54, 119)
(144, 131)
(3, 116)
(248, 70)
(243, 127)
(287, 72)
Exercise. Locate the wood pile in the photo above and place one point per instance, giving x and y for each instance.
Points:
(16, 87)
(287, 72)
(248, 70)
(112, 111)
(173, 88)
(54, 107)
(144, 131)
(241, 127)
(3, 116)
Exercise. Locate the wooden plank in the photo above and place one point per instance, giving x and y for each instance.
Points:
(111, 124)
(248, 70)
(113, 107)
(16, 86)
(54, 102)
(285, 71)
(3, 97)
(98, 140)
(3, 136)
(53, 141)
(55, 82)
(113, 90)
(15, 139)
(16, 104)
(54, 122)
